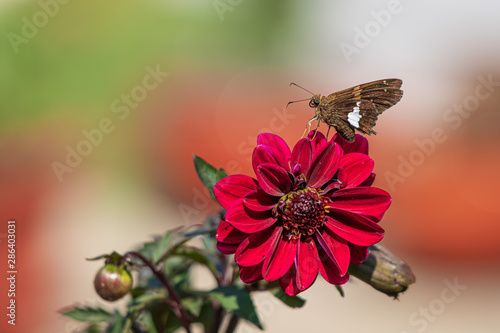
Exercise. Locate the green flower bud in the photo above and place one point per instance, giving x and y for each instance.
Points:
(112, 282)
(384, 271)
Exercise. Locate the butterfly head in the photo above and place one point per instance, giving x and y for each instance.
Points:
(315, 101)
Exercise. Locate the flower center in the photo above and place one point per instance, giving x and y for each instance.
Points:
(302, 212)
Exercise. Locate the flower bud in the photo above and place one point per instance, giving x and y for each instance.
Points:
(384, 271)
(112, 282)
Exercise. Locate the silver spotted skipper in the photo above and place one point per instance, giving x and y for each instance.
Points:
(356, 108)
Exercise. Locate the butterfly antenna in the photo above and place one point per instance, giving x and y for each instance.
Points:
(295, 84)
(300, 100)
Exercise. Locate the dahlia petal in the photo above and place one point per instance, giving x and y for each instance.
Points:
(226, 248)
(289, 282)
(226, 233)
(360, 144)
(307, 264)
(341, 177)
(302, 154)
(279, 144)
(358, 168)
(330, 186)
(324, 165)
(273, 179)
(230, 188)
(254, 249)
(368, 181)
(246, 220)
(279, 260)
(358, 253)
(317, 139)
(335, 248)
(264, 154)
(251, 274)
(354, 228)
(328, 269)
(371, 202)
(259, 200)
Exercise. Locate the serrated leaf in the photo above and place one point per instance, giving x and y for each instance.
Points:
(208, 174)
(291, 301)
(87, 314)
(238, 300)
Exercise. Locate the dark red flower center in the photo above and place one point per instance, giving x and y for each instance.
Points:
(302, 212)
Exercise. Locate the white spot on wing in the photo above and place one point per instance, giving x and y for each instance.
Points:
(354, 117)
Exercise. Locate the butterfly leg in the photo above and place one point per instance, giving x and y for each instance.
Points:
(329, 127)
(316, 130)
(308, 126)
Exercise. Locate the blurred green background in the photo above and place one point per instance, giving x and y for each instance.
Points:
(65, 66)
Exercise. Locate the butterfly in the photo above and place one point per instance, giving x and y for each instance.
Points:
(355, 108)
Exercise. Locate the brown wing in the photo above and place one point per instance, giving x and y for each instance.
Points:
(350, 115)
(382, 93)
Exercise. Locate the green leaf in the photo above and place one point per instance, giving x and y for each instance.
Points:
(238, 300)
(161, 247)
(291, 301)
(173, 323)
(87, 314)
(92, 328)
(197, 256)
(341, 290)
(193, 305)
(138, 291)
(207, 316)
(147, 323)
(160, 312)
(118, 323)
(149, 250)
(146, 298)
(208, 174)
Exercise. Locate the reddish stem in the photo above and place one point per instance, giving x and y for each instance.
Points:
(160, 274)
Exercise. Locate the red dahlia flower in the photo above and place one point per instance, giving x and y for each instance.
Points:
(310, 210)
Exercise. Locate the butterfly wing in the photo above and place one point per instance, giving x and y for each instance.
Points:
(350, 115)
(382, 93)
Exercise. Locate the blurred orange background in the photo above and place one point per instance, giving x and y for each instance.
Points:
(175, 78)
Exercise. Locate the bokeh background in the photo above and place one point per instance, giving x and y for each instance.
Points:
(223, 69)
